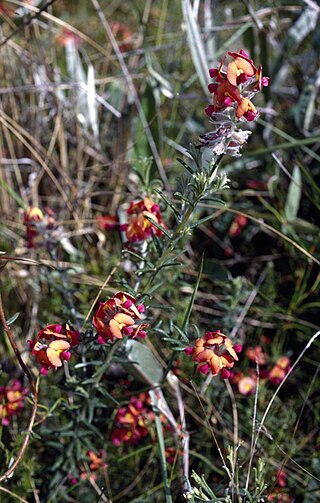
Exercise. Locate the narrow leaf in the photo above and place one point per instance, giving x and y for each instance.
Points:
(294, 196)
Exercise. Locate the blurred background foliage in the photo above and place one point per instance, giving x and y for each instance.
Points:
(78, 122)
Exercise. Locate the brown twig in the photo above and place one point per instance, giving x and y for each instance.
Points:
(34, 388)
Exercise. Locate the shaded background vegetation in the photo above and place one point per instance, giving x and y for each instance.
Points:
(75, 122)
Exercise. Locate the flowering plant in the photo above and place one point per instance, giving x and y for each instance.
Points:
(232, 92)
(11, 401)
(52, 344)
(143, 219)
(119, 316)
(215, 353)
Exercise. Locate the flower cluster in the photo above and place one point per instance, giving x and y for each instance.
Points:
(232, 92)
(124, 36)
(214, 352)
(39, 226)
(97, 462)
(52, 345)
(280, 370)
(239, 223)
(131, 422)
(138, 224)
(68, 38)
(11, 401)
(107, 222)
(235, 86)
(247, 383)
(140, 215)
(278, 495)
(117, 317)
(94, 463)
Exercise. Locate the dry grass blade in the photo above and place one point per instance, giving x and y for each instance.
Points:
(196, 45)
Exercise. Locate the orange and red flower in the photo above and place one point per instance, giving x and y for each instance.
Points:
(241, 68)
(11, 401)
(38, 224)
(124, 35)
(140, 216)
(247, 385)
(52, 346)
(107, 222)
(239, 222)
(215, 352)
(132, 423)
(280, 370)
(236, 86)
(117, 317)
(67, 37)
(256, 355)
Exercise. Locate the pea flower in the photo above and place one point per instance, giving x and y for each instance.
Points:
(280, 370)
(107, 222)
(67, 37)
(52, 346)
(247, 385)
(236, 86)
(139, 226)
(96, 463)
(118, 317)
(256, 355)
(132, 422)
(11, 401)
(241, 68)
(39, 225)
(60, 332)
(232, 92)
(214, 352)
(124, 36)
(239, 222)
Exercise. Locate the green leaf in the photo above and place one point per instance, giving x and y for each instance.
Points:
(142, 364)
(141, 143)
(13, 318)
(185, 165)
(303, 26)
(160, 227)
(294, 196)
(169, 203)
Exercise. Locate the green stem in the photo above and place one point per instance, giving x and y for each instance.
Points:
(159, 429)
(179, 230)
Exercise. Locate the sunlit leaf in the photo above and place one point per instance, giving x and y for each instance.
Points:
(142, 364)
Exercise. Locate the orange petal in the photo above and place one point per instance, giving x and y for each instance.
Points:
(148, 203)
(232, 74)
(54, 358)
(215, 340)
(229, 348)
(215, 364)
(123, 319)
(204, 355)
(115, 329)
(59, 345)
(226, 361)
(242, 108)
(245, 66)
